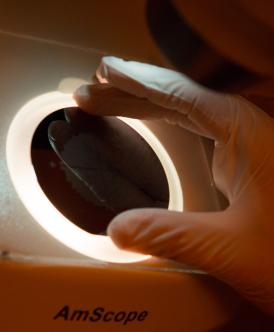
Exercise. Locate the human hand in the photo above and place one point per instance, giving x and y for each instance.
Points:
(235, 245)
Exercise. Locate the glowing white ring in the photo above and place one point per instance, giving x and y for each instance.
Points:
(18, 150)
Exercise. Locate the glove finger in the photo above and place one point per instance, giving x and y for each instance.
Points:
(207, 241)
(201, 240)
(103, 99)
(208, 110)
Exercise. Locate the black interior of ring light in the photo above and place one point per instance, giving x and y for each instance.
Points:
(92, 168)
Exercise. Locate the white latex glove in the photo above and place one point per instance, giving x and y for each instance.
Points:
(235, 245)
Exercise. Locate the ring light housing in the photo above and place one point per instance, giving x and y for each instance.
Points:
(61, 277)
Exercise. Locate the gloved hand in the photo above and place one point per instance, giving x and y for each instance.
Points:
(235, 245)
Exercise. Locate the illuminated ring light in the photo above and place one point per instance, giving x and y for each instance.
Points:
(18, 150)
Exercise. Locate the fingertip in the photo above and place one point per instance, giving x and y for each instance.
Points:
(82, 94)
(120, 228)
(124, 228)
(89, 97)
(106, 63)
